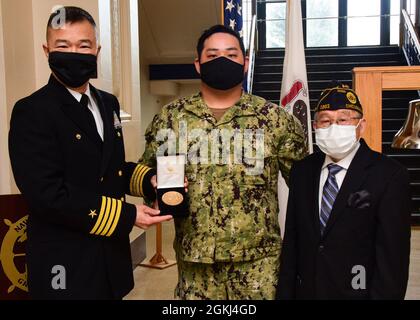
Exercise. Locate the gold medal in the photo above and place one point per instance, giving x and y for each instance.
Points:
(172, 198)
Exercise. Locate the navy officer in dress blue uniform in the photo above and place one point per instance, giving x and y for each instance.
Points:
(67, 153)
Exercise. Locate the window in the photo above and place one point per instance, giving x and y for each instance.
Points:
(364, 22)
(329, 23)
(322, 23)
(275, 24)
(411, 10)
(395, 22)
(247, 20)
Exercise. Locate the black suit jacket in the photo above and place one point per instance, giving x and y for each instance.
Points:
(369, 227)
(75, 185)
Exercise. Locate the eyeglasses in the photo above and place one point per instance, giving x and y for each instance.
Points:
(326, 123)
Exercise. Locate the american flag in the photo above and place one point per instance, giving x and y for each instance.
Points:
(232, 15)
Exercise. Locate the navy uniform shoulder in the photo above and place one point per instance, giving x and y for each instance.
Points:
(110, 101)
(107, 96)
(34, 103)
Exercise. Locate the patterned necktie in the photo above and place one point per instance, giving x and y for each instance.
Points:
(329, 195)
(89, 115)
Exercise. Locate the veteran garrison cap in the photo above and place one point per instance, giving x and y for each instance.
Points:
(337, 98)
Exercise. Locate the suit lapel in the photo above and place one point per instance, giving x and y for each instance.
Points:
(74, 110)
(355, 177)
(107, 114)
(316, 177)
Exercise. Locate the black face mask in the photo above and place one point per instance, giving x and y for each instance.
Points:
(73, 69)
(222, 73)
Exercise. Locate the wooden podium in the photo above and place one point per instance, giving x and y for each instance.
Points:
(13, 221)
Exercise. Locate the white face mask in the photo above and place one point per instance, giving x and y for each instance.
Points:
(337, 141)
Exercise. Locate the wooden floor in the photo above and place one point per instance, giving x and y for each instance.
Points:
(154, 284)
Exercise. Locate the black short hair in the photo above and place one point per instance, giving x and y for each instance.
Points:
(72, 15)
(218, 29)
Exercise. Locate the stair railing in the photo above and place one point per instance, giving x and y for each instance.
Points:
(410, 42)
(252, 53)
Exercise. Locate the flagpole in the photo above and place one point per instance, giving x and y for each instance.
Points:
(222, 4)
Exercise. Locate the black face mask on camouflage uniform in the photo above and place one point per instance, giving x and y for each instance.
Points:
(222, 73)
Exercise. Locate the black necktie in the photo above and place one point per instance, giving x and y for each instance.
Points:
(89, 115)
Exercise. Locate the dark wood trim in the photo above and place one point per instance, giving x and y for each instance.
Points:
(262, 29)
(172, 72)
(385, 22)
(342, 23)
(254, 7)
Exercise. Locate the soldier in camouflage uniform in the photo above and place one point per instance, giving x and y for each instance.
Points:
(229, 245)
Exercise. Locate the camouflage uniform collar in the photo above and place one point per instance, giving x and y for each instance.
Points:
(244, 107)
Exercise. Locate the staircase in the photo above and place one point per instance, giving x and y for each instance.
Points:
(327, 64)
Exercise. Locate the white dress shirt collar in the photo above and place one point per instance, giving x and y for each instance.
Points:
(93, 107)
(78, 95)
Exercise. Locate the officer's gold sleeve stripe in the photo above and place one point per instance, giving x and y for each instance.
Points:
(106, 215)
(110, 219)
(141, 181)
(133, 178)
(116, 219)
(138, 181)
(134, 188)
(101, 214)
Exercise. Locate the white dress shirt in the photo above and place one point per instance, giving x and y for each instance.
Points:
(344, 163)
(93, 107)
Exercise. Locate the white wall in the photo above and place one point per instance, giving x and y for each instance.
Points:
(150, 104)
(186, 89)
(5, 182)
(19, 66)
(173, 27)
(41, 11)
(132, 129)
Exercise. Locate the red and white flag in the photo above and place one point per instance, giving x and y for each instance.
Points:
(294, 88)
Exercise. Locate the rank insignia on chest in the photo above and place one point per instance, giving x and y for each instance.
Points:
(117, 122)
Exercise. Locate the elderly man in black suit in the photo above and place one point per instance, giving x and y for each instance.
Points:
(347, 230)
